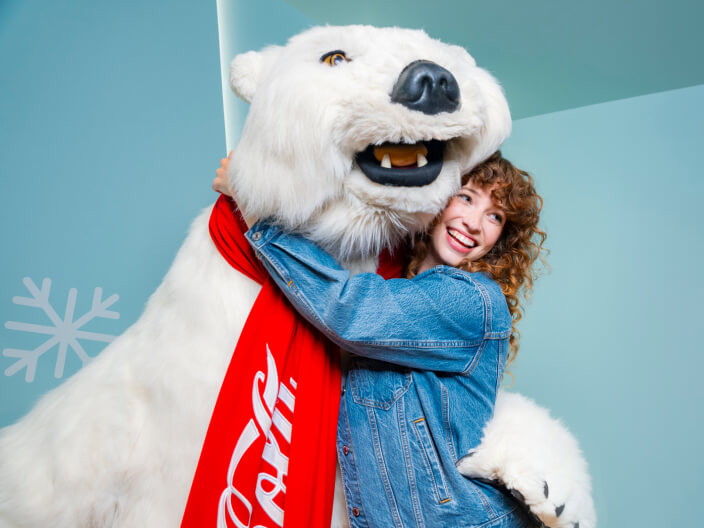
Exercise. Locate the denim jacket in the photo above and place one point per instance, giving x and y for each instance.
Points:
(429, 354)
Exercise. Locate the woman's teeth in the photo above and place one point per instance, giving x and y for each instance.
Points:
(465, 241)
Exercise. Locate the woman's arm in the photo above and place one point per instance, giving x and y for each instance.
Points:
(438, 320)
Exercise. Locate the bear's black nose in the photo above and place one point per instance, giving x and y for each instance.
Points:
(426, 87)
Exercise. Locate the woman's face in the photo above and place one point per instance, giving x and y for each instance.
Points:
(468, 228)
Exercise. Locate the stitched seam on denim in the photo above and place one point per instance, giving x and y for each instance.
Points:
(499, 335)
(446, 418)
(475, 360)
(382, 468)
(499, 367)
(434, 449)
(441, 499)
(427, 462)
(280, 270)
(488, 524)
(472, 363)
(348, 506)
(487, 505)
(372, 403)
(487, 306)
(415, 500)
(421, 345)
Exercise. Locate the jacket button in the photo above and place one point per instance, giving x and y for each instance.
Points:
(346, 450)
(257, 236)
(355, 512)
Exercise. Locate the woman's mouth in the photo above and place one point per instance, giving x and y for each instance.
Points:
(402, 164)
(460, 241)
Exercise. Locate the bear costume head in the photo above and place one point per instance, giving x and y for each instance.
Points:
(323, 102)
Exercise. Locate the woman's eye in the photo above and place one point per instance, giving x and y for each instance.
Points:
(467, 198)
(333, 58)
(496, 217)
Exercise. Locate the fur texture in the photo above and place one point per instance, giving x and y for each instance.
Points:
(333, 113)
(532, 454)
(118, 443)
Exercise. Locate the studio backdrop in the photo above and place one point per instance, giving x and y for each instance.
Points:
(114, 116)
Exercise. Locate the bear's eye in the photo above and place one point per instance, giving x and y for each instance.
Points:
(333, 58)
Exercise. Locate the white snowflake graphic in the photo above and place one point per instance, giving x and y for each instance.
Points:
(65, 332)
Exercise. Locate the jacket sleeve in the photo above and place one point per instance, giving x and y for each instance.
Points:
(438, 320)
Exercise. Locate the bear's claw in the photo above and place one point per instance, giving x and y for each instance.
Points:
(523, 449)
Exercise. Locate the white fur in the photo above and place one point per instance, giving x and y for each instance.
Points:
(118, 443)
(332, 113)
(524, 448)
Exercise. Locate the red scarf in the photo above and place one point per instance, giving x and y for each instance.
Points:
(263, 464)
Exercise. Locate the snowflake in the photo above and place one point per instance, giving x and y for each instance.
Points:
(65, 332)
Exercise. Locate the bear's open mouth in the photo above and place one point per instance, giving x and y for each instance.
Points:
(402, 164)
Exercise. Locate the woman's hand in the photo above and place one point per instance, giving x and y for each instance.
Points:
(220, 181)
(220, 185)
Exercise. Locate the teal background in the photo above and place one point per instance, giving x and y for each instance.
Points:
(612, 339)
(111, 125)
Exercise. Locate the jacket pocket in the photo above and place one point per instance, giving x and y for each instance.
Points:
(378, 384)
(432, 461)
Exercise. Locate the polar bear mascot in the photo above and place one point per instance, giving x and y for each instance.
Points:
(117, 445)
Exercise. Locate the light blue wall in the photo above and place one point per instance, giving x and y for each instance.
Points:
(590, 52)
(246, 26)
(612, 339)
(111, 126)
(111, 123)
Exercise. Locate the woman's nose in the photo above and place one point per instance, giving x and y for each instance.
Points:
(472, 221)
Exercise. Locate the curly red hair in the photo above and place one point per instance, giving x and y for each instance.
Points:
(510, 261)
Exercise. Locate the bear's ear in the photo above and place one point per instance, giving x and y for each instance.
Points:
(246, 70)
(497, 123)
(463, 53)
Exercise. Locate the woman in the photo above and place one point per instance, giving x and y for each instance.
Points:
(429, 350)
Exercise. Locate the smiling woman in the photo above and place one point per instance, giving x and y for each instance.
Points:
(444, 335)
(491, 226)
(468, 228)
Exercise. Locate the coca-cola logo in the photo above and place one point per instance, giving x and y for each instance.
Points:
(272, 407)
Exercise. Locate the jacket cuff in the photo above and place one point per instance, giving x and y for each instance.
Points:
(261, 233)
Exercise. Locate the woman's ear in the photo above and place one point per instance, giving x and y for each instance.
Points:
(246, 70)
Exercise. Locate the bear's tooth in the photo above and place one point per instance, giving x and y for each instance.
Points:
(386, 161)
(422, 161)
